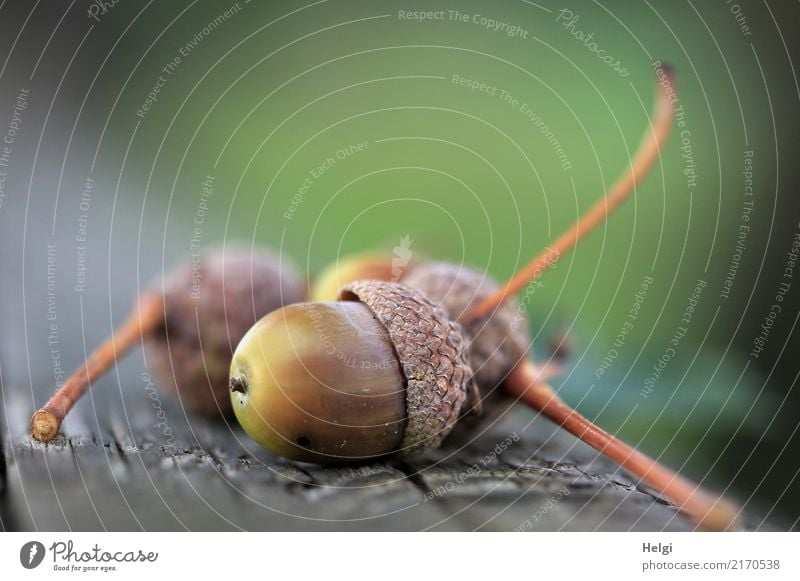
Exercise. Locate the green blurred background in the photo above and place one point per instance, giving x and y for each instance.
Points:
(266, 95)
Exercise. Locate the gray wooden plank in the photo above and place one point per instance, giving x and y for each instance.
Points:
(113, 469)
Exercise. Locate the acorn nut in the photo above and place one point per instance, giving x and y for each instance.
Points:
(382, 371)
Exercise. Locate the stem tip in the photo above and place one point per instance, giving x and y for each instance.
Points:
(44, 426)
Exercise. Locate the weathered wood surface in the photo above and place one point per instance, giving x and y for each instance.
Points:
(116, 469)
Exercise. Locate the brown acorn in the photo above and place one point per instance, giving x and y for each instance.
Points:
(208, 308)
(190, 324)
(381, 372)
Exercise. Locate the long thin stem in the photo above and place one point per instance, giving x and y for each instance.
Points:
(709, 512)
(643, 160)
(46, 422)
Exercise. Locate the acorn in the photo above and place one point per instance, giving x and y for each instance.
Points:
(207, 309)
(382, 371)
(189, 324)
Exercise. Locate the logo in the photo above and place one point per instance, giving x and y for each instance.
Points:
(402, 256)
(31, 554)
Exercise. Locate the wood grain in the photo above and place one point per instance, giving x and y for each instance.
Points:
(117, 466)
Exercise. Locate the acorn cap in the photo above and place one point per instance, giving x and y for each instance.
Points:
(432, 355)
(497, 343)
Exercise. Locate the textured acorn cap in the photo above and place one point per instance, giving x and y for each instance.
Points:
(432, 355)
(496, 343)
(209, 305)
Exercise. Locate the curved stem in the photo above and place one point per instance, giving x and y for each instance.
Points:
(46, 422)
(645, 157)
(708, 511)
